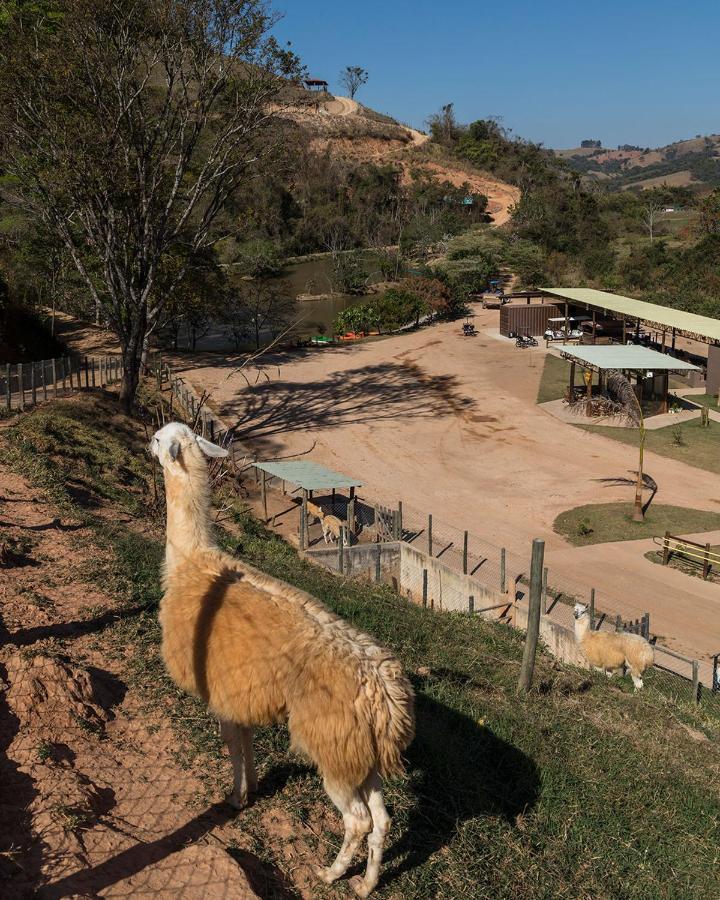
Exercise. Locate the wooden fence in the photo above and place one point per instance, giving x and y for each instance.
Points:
(701, 555)
(25, 384)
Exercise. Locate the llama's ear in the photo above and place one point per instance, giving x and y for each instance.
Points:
(174, 449)
(210, 449)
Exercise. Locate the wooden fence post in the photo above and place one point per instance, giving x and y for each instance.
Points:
(592, 609)
(264, 494)
(465, 552)
(706, 561)
(400, 522)
(341, 551)
(378, 562)
(21, 385)
(92, 368)
(695, 681)
(424, 588)
(44, 378)
(503, 575)
(53, 373)
(429, 535)
(618, 623)
(351, 518)
(303, 519)
(533, 626)
(87, 373)
(666, 549)
(8, 386)
(33, 386)
(471, 604)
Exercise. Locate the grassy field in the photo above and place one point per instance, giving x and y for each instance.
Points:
(577, 790)
(709, 400)
(598, 523)
(555, 379)
(689, 442)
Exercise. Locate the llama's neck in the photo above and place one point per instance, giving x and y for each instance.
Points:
(582, 626)
(188, 513)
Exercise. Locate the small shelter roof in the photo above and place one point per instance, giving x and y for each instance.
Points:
(690, 324)
(627, 356)
(307, 474)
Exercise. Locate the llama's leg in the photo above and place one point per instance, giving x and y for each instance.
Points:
(376, 839)
(358, 823)
(637, 679)
(231, 733)
(246, 739)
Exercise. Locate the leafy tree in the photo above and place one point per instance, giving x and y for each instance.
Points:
(128, 127)
(352, 78)
(259, 307)
(709, 208)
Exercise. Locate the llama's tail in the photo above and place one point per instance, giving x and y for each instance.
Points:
(394, 717)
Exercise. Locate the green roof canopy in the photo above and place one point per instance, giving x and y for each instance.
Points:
(307, 474)
(627, 356)
(689, 324)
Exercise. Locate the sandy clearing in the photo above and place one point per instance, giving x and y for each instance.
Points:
(449, 425)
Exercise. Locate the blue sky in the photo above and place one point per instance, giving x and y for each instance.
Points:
(555, 71)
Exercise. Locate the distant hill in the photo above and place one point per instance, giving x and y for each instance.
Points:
(693, 163)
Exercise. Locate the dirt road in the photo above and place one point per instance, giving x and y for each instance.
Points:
(450, 425)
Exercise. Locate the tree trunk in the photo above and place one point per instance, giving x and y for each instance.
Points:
(131, 356)
(638, 513)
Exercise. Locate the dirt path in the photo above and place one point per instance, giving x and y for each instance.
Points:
(94, 802)
(449, 425)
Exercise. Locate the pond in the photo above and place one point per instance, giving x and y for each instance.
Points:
(316, 306)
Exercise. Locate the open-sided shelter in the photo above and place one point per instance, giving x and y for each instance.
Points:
(309, 476)
(650, 369)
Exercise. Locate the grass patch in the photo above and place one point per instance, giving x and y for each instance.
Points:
(575, 790)
(709, 400)
(599, 523)
(687, 441)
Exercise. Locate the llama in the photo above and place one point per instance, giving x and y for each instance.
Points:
(609, 651)
(331, 528)
(257, 651)
(314, 510)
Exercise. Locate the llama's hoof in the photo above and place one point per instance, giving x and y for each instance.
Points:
(360, 886)
(237, 802)
(326, 874)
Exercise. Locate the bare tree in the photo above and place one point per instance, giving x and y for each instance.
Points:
(352, 78)
(651, 211)
(126, 128)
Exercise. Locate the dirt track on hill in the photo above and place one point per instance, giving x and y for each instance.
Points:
(449, 425)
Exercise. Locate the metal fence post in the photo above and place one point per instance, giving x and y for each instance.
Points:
(503, 575)
(533, 626)
(425, 588)
(465, 552)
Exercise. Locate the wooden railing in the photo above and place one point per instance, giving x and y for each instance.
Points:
(24, 384)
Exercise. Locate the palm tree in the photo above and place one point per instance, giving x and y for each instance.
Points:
(620, 388)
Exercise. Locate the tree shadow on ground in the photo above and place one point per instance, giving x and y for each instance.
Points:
(458, 770)
(371, 393)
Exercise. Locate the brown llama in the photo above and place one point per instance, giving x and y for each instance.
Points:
(257, 651)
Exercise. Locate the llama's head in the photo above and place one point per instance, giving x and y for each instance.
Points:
(580, 610)
(171, 440)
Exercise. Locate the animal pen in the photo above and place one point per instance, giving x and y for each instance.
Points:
(310, 477)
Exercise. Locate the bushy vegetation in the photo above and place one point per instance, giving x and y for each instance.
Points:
(414, 298)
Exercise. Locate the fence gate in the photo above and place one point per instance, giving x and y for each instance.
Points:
(386, 524)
